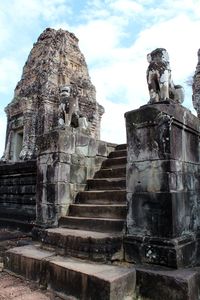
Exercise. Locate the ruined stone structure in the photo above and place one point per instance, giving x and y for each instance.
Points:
(54, 62)
(160, 84)
(196, 87)
(135, 204)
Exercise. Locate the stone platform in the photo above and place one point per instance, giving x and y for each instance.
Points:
(70, 276)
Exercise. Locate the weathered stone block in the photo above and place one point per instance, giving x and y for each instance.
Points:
(71, 277)
(164, 284)
(163, 185)
(92, 148)
(174, 253)
(102, 148)
(162, 131)
(49, 214)
(82, 279)
(163, 214)
(58, 193)
(78, 174)
(28, 261)
(79, 160)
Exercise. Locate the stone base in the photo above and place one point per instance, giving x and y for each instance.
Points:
(163, 186)
(175, 253)
(81, 279)
(71, 277)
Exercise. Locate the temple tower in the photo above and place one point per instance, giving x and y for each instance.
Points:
(54, 62)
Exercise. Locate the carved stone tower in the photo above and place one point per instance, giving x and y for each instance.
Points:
(55, 61)
(196, 87)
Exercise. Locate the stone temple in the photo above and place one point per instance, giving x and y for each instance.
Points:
(54, 63)
(88, 219)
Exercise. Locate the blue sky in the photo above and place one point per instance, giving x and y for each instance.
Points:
(114, 36)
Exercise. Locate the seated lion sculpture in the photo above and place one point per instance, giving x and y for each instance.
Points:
(69, 112)
(160, 84)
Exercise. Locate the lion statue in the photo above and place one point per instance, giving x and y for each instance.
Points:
(69, 112)
(160, 84)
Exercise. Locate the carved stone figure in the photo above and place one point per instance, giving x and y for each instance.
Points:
(68, 107)
(160, 84)
(69, 112)
(196, 87)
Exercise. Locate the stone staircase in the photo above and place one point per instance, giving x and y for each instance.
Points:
(93, 228)
(70, 260)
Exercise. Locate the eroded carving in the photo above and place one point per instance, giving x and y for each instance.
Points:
(160, 84)
(163, 132)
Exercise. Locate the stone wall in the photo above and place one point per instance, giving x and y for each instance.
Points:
(18, 193)
(67, 158)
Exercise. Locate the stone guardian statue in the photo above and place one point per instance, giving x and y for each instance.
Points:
(160, 84)
(69, 112)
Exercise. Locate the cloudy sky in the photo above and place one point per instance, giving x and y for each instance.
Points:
(115, 37)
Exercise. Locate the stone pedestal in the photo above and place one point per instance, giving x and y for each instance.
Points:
(66, 159)
(163, 186)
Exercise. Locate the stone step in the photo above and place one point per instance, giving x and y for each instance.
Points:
(111, 173)
(121, 147)
(88, 281)
(83, 244)
(93, 224)
(70, 277)
(102, 197)
(114, 162)
(118, 153)
(106, 184)
(113, 211)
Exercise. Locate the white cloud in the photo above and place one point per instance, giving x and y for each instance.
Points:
(178, 37)
(25, 12)
(113, 123)
(98, 38)
(127, 6)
